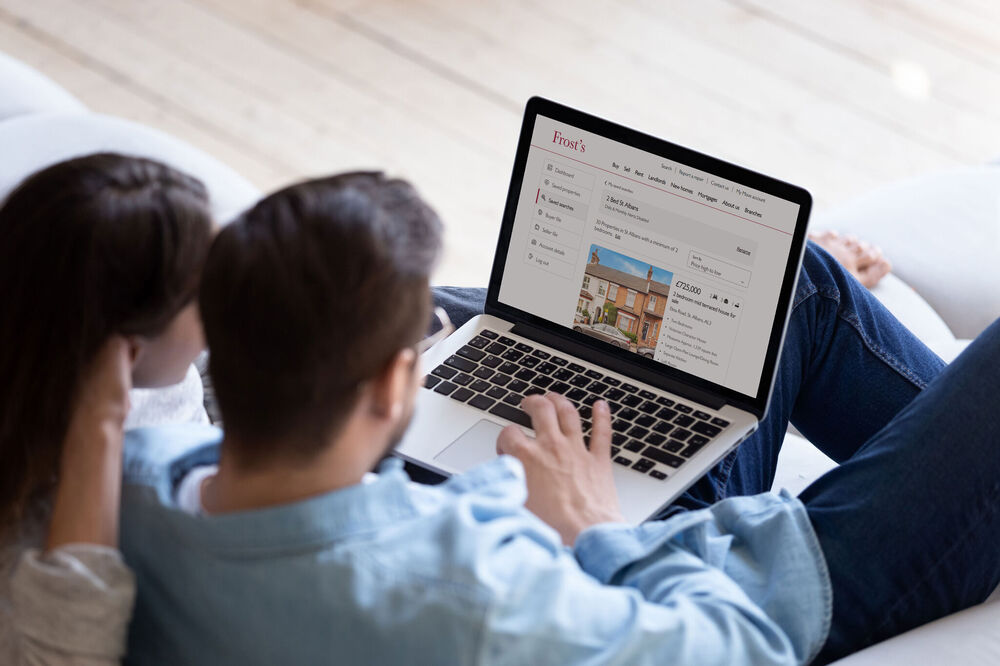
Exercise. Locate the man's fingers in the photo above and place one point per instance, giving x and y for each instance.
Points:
(511, 441)
(569, 418)
(542, 413)
(600, 432)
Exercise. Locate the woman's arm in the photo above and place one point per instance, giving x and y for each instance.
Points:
(72, 602)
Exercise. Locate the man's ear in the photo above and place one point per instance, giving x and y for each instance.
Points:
(137, 351)
(391, 390)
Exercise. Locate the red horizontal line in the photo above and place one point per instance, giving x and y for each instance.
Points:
(660, 189)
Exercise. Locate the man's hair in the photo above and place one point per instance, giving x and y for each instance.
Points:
(91, 247)
(306, 296)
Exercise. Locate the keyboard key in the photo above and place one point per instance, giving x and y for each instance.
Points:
(560, 387)
(657, 474)
(444, 372)
(663, 427)
(479, 386)
(525, 375)
(618, 426)
(558, 360)
(529, 362)
(666, 414)
(614, 451)
(500, 379)
(496, 348)
(576, 367)
(521, 347)
(462, 379)
(585, 414)
(634, 445)
(631, 388)
(593, 374)
(631, 400)
(562, 374)
(513, 399)
(590, 399)
(686, 409)
(649, 407)
(491, 361)
(680, 434)
(648, 395)
(483, 373)
(541, 354)
(628, 414)
(533, 390)
(462, 394)
(659, 456)
(471, 353)
(517, 386)
(666, 402)
(579, 381)
(546, 368)
(698, 440)
(673, 445)
(645, 420)
(638, 432)
(722, 423)
(478, 342)
(576, 394)
(505, 411)
(622, 460)
(511, 355)
(507, 341)
(642, 465)
(618, 439)
(614, 394)
(497, 393)
(611, 381)
(613, 407)
(542, 381)
(430, 381)
(684, 420)
(706, 429)
(655, 439)
(444, 388)
(460, 363)
(704, 416)
(508, 368)
(487, 333)
(597, 388)
(691, 450)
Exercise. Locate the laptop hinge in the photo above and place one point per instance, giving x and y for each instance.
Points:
(617, 365)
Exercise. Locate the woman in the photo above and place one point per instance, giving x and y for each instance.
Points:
(100, 258)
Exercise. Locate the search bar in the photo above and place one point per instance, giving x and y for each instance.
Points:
(712, 267)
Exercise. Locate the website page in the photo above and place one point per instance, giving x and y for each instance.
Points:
(648, 255)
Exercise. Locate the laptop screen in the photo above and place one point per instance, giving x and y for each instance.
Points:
(648, 254)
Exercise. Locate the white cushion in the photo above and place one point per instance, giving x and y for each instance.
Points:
(942, 233)
(24, 91)
(36, 141)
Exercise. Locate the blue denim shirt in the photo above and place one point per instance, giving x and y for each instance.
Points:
(393, 572)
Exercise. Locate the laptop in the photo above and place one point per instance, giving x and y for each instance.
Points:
(628, 269)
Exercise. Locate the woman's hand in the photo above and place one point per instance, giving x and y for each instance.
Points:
(89, 485)
(569, 486)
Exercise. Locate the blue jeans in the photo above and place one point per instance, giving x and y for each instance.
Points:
(908, 521)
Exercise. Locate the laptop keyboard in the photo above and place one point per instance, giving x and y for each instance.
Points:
(651, 433)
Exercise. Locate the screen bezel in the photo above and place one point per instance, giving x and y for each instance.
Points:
(610, 356)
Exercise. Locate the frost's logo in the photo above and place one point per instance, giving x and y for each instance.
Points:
(557, 137)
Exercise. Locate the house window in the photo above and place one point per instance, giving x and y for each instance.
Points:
(625, 322)
(586, 282)
(601, 287)
(612, 292)
(652, 302)
(579, 306)
(630, 299)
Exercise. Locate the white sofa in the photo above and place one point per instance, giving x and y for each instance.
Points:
(942, 231)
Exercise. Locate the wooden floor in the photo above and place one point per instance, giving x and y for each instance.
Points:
(839, 96)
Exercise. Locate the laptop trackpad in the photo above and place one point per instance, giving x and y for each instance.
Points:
(477, 445)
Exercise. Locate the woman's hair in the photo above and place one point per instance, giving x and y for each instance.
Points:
(91, 247)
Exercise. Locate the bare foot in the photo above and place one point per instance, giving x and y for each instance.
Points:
(862, 260)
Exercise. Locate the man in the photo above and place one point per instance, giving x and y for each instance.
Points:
(314, 305)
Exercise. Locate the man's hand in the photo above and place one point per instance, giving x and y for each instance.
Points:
(569, 487)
